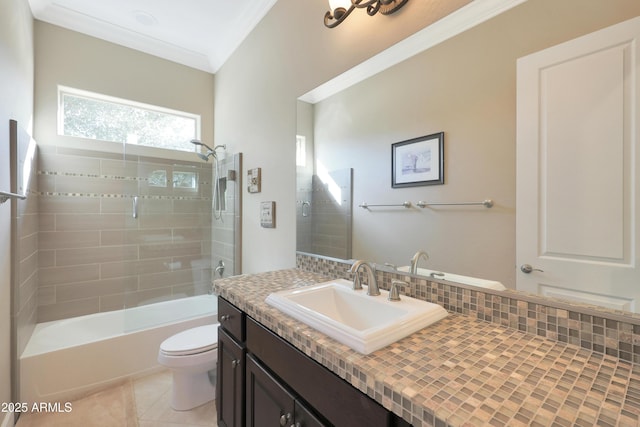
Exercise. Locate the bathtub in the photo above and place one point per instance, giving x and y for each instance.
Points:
(70, 358)
(466, 280)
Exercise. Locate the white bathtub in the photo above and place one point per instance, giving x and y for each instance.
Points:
(466, 280)
(70, 358)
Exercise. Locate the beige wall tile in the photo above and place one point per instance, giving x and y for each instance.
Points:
(46, 258)
(192, 206)
(28, 267)
(28, 245)
(68, 239)
(27, 290)
(155, 206)
(46, 183)
(121, 168)
(129, 268)
(96, 288)
(124, 237)
(170, 249)
(192, 234)
(173, 220)
(60, 163)
(134, 299)
(79, 221)
(47, 313)
(46, 295)
(69, 204)
(88, 185)
(29, 224)
(47, 222)
(159, 280)
(66, 257)
(63, 275)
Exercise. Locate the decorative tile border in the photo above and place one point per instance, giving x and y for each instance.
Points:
(604, 331)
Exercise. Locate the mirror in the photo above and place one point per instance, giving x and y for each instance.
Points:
(466, 88)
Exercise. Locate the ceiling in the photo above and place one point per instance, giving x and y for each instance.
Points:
(201, 34)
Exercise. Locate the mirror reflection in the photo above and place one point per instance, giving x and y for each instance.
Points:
(465, 87)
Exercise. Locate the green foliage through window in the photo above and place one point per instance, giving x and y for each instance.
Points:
(109, 119)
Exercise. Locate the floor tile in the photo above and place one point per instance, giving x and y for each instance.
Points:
(143, 402)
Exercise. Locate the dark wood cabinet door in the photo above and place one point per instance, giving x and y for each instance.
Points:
(269, 404)
(230, 381)
(304, 418)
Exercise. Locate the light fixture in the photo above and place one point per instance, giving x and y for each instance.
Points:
(340, 9)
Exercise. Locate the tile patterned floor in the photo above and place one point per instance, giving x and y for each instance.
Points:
(143, 402)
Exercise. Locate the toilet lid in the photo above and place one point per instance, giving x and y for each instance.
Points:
(191, 341)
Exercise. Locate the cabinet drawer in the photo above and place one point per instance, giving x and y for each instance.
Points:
(231, 319)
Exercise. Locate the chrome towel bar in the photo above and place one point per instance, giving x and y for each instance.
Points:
(4, 196)
(487, 203)
(365, 205)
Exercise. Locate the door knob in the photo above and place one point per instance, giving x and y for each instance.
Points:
(527, 268)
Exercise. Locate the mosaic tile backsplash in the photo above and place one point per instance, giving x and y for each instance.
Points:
(461, 371)
(594, 328)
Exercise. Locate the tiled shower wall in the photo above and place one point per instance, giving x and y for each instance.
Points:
(226, 227)
(331, 214)
(24, 280)
(95, 256)
(323, 221)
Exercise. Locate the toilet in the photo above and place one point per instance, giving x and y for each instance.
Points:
(191, 355)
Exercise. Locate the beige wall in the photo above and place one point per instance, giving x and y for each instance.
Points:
(16, 102)
(68, 58)
(289, 53)
(464, 87)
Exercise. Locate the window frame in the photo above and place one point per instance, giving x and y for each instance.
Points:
(66, 90)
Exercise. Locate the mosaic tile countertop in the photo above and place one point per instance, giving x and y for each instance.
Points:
(460, 371)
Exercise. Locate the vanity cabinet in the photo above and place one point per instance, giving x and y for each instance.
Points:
(230, 369)
(282, 385)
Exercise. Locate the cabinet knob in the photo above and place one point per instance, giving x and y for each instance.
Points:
(235, 363)
(284, 418)
(224, 317)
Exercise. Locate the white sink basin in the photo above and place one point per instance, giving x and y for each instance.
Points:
(467, 280)
(363, 323)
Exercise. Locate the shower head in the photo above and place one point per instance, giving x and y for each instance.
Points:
(202, 144)
(211, 152)
(205, 157)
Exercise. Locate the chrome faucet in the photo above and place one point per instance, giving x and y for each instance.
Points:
(415, 259)
(372, 283)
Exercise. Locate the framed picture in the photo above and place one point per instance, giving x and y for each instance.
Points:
(418, 161)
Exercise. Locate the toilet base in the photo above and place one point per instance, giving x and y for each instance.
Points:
(192, 389)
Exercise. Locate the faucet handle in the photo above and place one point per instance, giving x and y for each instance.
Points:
(357, 285)
(394, 293)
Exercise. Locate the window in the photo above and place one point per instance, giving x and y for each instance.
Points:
(100, 117)
(301, 150)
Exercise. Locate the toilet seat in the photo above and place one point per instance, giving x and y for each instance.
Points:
(192, 341)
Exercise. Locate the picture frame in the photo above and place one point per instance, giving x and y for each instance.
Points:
(418, 161)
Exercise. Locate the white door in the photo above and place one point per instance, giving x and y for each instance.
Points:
(577, 165)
